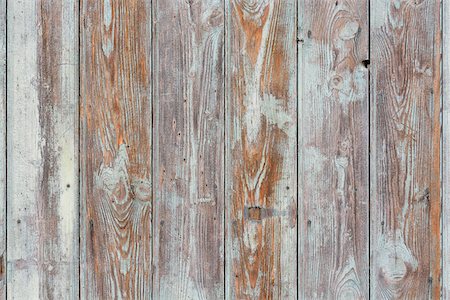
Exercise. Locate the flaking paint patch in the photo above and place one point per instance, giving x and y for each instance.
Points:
(314, 161)
(252, 99)
(348, 283)
(107, 13)
(112, 178)
(276, 114)
(349, 86)
(349, 30)
(394, 258)
(341, 164)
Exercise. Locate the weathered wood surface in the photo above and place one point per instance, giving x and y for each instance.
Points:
(237, 149)
(42, 158)
(2, 149)
(446, 150)
(405, 148)
(333, 150)
(261, 159)
(116, 110)
(188, 150)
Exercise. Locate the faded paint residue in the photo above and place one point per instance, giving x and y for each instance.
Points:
(275, 113)
(113, 179)
(394, 258)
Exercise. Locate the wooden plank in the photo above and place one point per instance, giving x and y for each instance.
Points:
(261, 159)
(446, 150)
(189, 146)
(116, 109)
(2, 149)
(405, 149)
(42, 210)
(333, 150)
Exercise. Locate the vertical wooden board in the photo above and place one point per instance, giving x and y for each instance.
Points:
(446, 150)
(116, 109)
(42, 195)
(2, 149)
(189, 146)
(405, 149)
(333, 150)
(261, 159)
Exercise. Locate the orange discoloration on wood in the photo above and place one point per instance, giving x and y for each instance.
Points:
(406, 132)
(252, 23)
(261, 102)
(116, 164)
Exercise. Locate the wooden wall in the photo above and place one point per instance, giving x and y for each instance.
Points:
(224, 149)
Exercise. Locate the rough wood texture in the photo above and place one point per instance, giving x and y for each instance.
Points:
(333, 150)
(116, 149)
(405, 137)
(2, 149)
(188, 158)
(261, 159)
(446, 151)
(42, 210)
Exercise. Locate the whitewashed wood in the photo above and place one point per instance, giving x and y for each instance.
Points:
(405, 132)
(333, 150)
(2, 148)
(42, 210)
(261, 150)
(188, 149)
(116, 150)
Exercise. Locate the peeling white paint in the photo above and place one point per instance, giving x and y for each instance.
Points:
(275, 114)
(393, 257)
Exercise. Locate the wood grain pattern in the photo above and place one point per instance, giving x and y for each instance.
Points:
(115, 156)
(405, 148)
(188, 157)
(333, 150)
(261, 163)
(446, 151)
(42, 210)
(2, 149)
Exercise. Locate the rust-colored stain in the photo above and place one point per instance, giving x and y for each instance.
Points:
(224, 149)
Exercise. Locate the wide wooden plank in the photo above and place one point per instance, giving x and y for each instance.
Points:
(261, 145)
(405, 149)
(2, 149)
(42, 183)
(189, 146)
(333, 150)
(116, 109)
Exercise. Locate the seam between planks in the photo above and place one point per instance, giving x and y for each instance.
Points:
(5, 258)
(224, 162)
(79, 149)
(368, 107)
(153, 140)
(441, 152)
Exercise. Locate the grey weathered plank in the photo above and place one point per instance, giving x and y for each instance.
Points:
(2, 149)
(405, 149)
(333, 150)
(116, 110)
(42, 183)
(188, 150)
(261, 159)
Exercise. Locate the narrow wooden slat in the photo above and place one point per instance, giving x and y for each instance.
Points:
(2, 149)
(188, 157)
(261, 159)
(333, 150)
(446, 151)
(116, 109)
(42, 202)
(405, 149)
